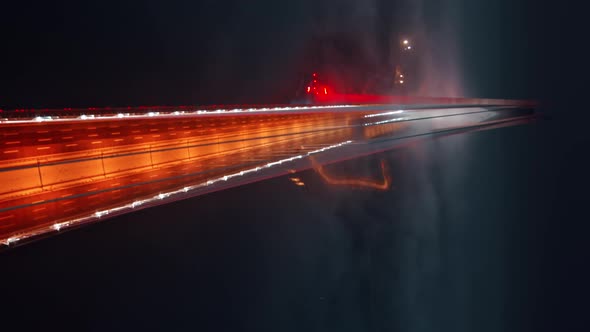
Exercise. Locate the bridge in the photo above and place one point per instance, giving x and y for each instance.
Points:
(61, 169)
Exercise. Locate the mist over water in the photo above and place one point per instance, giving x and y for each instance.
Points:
(436, 26)
(358, 44)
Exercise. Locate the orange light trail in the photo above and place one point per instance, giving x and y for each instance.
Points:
(384, 185)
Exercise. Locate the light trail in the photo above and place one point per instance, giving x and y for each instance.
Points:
(94, 117)
(383, 114)
(383, 122)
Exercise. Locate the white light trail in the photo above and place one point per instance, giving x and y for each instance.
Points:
(172, 113)
(383, 114)
(382, 122)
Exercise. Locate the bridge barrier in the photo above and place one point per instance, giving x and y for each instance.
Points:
(59, 173)
(45, 174)
(125, 163)
(19, 180)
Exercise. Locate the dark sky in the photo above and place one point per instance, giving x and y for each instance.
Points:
(147, 52)
(71, 53)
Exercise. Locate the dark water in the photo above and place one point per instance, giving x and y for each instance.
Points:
(481, 232)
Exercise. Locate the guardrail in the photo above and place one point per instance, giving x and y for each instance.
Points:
(331, 101)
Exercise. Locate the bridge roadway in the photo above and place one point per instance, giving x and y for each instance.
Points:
(59, 172)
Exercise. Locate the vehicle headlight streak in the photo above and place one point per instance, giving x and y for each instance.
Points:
(383, 122)
(383, 114)
(161, 196)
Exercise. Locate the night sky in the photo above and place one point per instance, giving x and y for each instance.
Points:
(112, 53)
(527, 187)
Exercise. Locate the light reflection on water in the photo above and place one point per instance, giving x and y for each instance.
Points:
(355, 181)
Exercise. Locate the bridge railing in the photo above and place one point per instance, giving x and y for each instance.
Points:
(23, 113)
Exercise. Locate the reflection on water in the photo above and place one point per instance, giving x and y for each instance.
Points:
(297, 182)
(356, 182)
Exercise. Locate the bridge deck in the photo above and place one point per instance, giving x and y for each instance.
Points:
(62, 172)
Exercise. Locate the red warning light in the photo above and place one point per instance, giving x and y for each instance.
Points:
(314, 74)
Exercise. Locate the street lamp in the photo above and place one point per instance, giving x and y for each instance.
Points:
(406, 44)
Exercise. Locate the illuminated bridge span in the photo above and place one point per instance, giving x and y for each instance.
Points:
(64, 169)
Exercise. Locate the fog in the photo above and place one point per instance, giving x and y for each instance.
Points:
(358, 43)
